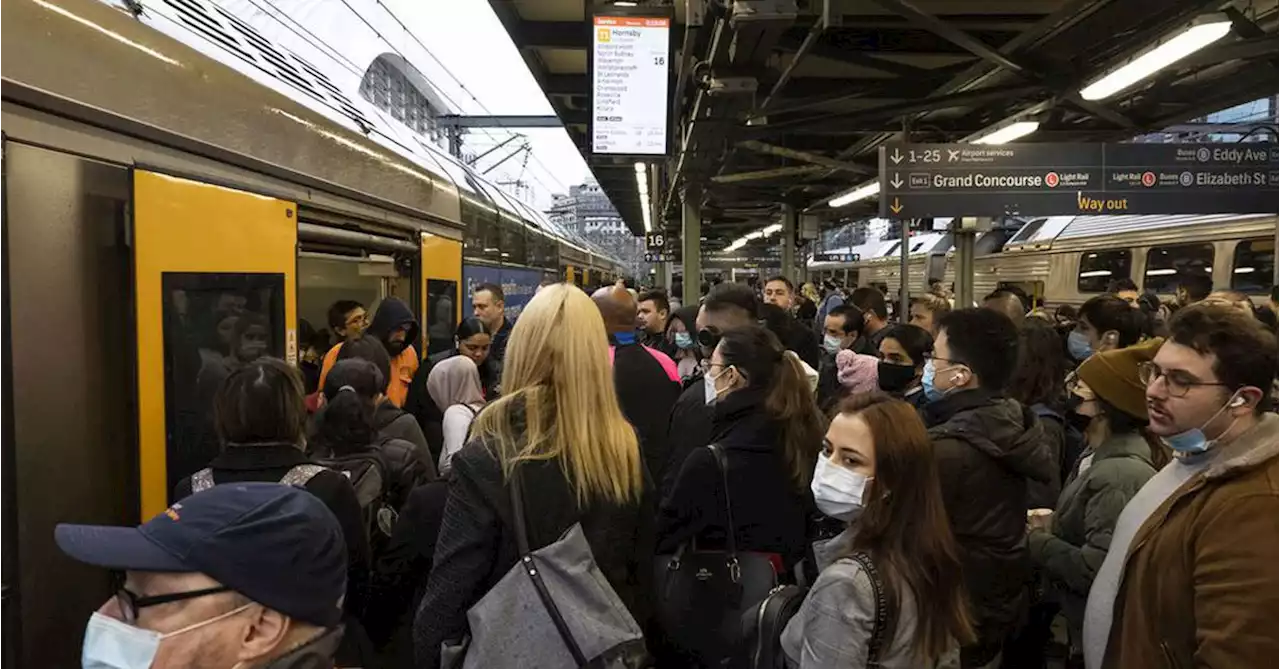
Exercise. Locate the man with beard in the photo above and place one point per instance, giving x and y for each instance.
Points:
(395, 326)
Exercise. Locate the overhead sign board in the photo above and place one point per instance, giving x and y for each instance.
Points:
(922, 180)
(658, 242)
(836, 257)
(630, 72)
(661, 257)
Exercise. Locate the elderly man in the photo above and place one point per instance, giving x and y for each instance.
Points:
(245, 575)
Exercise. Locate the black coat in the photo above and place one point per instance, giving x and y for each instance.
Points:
(988, 448)
(771, 514)
(477, 545)
(646, 394)
(689, 429)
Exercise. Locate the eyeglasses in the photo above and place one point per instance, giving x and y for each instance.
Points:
(130, 604)
(1175, 383)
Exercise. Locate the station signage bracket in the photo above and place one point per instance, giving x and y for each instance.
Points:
(945, 180)
(630, 74)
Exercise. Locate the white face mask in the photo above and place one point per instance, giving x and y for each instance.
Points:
(838, 491)
(114, 644)
(710, 394)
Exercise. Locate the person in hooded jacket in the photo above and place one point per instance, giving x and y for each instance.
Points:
(396, 327)
(988, 447)
(682, 343)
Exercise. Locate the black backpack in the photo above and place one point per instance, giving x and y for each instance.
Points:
(368, 475)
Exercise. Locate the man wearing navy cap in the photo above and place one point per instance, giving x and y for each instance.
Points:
(240, 576)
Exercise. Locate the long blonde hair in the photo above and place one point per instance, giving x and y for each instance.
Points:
(557, 371)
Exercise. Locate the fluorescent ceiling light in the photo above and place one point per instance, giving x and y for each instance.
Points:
(1096, 272)
(1185, 43)
(642, 187)
(860, 193)
(1161, 272)
(624, 3)
(1008, 133)
(1245, 270)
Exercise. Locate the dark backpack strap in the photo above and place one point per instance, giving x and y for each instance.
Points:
(730, 532)
(530, 568)
(880, 628)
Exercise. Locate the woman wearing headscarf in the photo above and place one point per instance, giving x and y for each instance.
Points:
(454, 386)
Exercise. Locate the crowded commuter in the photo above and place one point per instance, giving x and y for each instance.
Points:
(682, 345)
(875, 313)
(765, 420)
(1192, 288)
(1069, 545)
(898, 562)
(646, 380)
(241, 575)
(841, 331)
(389, 420)
(727, 306)
(857, 373)
(779, 291)
(489, 304)
(927, 310)
(793, 335)
(807, 303)
(903, 353)
(470, 340)
(1234, 299)
(1190, 577)
(396, 327)
(1037, 383)
(454, 386)
(347, 438)
(1125, 289)
(989, 446)
(258, 417)
(1105, 322)
(831, 297)
(652, 312)
(1007, 303)
(557, 428)
(347, 320)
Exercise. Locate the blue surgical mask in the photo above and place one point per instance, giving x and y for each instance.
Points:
(1194, 441)
(684, 340)
(114, 644)
(831, 344)
(1078, 345)
(931, 392)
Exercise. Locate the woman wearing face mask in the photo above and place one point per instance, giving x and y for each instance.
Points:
(902, 354)
(682, 344)
(766, 422)
(877, 472)
(1070, 544)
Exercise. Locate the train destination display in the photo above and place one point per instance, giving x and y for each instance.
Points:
(629, 76)
(923, 180)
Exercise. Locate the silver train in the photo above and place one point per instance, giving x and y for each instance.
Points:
(1069, 259)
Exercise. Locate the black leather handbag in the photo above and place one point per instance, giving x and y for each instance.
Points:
(702, 595)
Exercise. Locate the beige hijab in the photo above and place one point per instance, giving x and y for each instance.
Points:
(455, 381)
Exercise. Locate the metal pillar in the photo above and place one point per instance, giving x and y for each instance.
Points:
(904, 290)
(789, 222)
(691, 244)
(964, 268)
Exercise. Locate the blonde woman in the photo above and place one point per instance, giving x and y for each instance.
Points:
(558, 427)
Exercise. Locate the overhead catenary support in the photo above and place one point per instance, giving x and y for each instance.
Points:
(495, 147)
(761, 175)
(691, 243)
(789, 220)
(479, 121)
(805, 156)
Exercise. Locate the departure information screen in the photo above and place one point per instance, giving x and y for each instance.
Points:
(629, 77)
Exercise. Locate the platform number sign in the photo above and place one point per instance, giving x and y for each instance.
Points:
(655, 241)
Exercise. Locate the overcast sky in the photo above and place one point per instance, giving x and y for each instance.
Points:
(471, 43)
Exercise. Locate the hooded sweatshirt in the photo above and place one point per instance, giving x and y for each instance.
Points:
(988, 447)
(391, 314)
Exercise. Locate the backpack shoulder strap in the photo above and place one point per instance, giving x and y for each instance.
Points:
(300, 475)
(880, 628)
(201, 480)
(722, 464)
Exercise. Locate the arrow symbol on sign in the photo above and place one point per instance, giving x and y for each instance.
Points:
(897, 181)
(896, 207)
(897, 156)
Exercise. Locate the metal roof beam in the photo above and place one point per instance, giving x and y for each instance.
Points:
(824, 49)
(803, 156)
(948, 32)
(763, 175)
(1264, 46)
(552, 35)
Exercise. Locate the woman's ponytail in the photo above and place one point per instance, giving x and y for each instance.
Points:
(345, 424)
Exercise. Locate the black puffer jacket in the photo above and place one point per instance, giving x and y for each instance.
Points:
(689, 429)
(988, 448)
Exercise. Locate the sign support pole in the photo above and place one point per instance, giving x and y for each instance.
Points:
(964, 267)
(691, 243)
(904, 292)
(789, 241)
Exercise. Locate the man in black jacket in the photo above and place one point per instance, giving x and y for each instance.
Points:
(987, 447)
(727, 306)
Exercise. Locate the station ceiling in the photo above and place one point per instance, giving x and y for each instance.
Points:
(828, 92)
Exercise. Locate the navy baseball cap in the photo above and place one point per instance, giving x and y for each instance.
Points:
(275, 544)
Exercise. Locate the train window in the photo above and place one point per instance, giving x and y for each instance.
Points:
(1253, 266)
(442, 312)
(514, 249)
(1098, 268)
(1167, 265)
(213, 324)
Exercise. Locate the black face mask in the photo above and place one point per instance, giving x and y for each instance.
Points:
(895, 378)
(1079, 421)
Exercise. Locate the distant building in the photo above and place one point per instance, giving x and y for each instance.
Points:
(586, 211)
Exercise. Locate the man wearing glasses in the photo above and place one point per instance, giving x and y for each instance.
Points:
(243, 575)
(1191, 575)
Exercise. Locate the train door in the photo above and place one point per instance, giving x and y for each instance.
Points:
(214, 273)
(443, 301)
